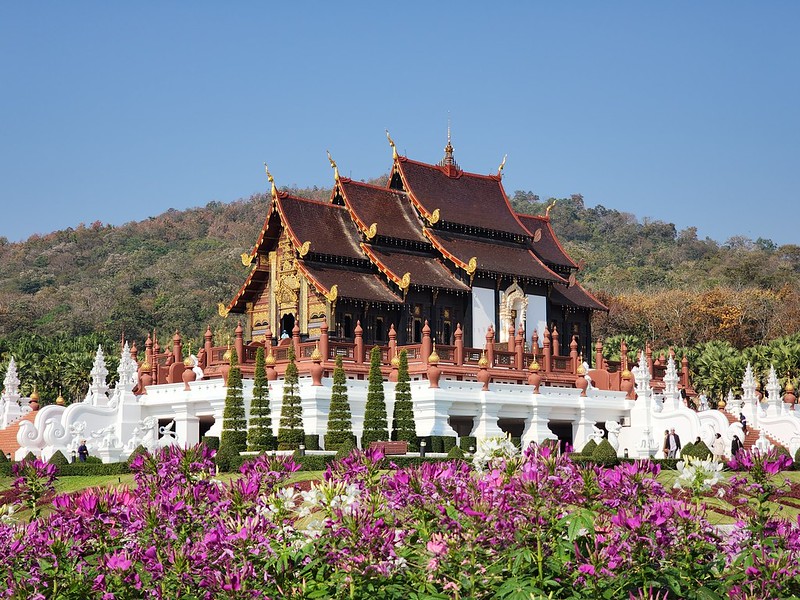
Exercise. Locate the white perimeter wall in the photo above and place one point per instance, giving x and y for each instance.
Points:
(483, 311)
(536, 316)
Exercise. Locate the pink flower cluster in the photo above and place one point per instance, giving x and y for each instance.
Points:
(541, 526)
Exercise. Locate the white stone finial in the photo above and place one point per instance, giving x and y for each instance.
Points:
(748, 384)
(11, 381)
(671, 379)
(127, 370)
(98, 389)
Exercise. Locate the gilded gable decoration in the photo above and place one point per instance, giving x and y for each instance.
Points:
(222, 310)
(405, 281)
(246, 259)
(472, 266)
(373, 229)
(391, 143)
(434, 218)
(332, 295)
(304, 248)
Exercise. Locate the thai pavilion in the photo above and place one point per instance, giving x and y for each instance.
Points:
(436, 244)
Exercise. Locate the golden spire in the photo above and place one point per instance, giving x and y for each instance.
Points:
(448, 150)
(333, 166)
(271, 179)
(391, 143)
(433, 358)
(549, 208)
(502, 166)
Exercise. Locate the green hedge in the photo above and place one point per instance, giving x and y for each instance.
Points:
(438, 443)
(211, 441)
(468, 441)
(311, 442)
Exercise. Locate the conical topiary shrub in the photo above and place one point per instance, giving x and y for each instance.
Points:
(234, 421)
(404, 428)
(259, 431)
(376, 427)
(291, 434)
(58, 459)
(700, 450)
(340, 425)
(589, 448)
(604, 453)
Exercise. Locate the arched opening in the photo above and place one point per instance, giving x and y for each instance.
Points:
(287, 324)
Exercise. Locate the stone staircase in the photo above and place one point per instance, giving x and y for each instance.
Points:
(752, 433)
(8, 436)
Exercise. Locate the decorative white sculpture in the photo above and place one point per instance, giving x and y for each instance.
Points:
(613, 429)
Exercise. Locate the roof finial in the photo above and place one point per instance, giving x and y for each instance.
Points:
(271, 179)
(549, 208)
(448, 150)
(502, 165)
(391, 143)
(333, 166)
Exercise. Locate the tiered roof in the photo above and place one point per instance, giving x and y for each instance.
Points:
(371, 243)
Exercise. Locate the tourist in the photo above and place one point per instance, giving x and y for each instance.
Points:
(83, 451)
(673, 444)
(736, 445)
(665, 447)
(718, 448)
(703, 402)
(743, 421)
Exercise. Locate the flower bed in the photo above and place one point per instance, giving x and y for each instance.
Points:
(530, 526)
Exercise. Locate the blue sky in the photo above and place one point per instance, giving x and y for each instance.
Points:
(679, 111)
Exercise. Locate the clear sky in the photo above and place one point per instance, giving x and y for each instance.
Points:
(681, 111)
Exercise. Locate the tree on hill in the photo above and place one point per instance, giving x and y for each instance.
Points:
(234, 420)
(259, 432)
(376, 427)
(340, 426)
(404, 428)
(291, 434)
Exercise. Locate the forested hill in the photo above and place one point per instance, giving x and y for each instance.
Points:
(169, 272)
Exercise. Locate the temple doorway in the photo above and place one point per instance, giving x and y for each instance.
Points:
(287, 325)
(512, 427)
(462, 425)
(205, 423)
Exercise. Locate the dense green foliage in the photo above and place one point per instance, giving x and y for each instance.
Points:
(234, 420)
(259, 431)
(291, 434)
(340, 426)
(589, 448)
(376, 427)
(604, 452)
(403, 425)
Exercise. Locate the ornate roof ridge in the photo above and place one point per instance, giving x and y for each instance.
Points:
(444, 169)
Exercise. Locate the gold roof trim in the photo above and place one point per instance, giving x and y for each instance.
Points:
(333, 166)
(271, 179)
(472, 265)
(222, 310)
(434, 218)
(502, 166)
(372, 231)
(333, 294)
(304, 248)
(247, 258)
(391, 143)
(405, 281)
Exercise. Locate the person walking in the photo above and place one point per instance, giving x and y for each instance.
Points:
(665, 445)
(718, 448)
(743, 421)
(83, 451)
(673, 443)
(736, 445)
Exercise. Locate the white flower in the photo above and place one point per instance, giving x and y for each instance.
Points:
(698, 475)
(494, 449)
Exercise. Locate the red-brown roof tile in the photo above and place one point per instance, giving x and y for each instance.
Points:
(467, 198)
(350, 283)
(390, 209)
(493, 256)
(548, 248)
(327, 226)
(575, 295)
(424, 270)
